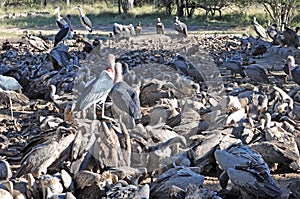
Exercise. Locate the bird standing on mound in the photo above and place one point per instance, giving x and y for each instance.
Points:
(85, 21)
(257, 74)
(160, 28)
(261, 31)
(125, 104)
(180, 26)
(259, 50)
(60, 22)
(64, 33)
(291, 37)
(36, 42)
(98, 90)
(59, 56)
(138, 28)
(7, 86)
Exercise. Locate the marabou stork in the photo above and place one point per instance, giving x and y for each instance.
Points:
(60, 22)
(65, 32)
(85, 21)
(261, 31)
(160, 28)
(8, 85)
(98, 89)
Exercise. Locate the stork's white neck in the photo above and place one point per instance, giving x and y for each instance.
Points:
(118, 72)
(80, 11)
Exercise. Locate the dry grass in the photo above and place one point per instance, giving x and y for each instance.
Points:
(233, 19)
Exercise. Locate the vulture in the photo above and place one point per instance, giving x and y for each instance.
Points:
(160, 28)
(290, 37)
(235, 67)
(259, 50)
(180, 26)
(138, 28)
(247, 170)
(257, 74)
(261, 31)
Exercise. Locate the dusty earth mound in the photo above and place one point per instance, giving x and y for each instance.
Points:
(181, 83)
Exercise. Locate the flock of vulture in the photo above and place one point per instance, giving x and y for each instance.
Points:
(149, 118)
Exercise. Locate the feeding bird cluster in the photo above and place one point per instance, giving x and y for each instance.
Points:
(118, 31)
(125, 31)
(286, 37)
(150, 119)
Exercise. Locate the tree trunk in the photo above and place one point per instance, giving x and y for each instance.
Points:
(125, 6)
(180, 8)
(206, 14)
(169, 8)
(119, 6)
(44, 3)
(68, 2)
(190, 8)
(130, 4)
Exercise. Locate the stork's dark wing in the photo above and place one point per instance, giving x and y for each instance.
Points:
(95, 92)
(60, 22)
(87, 22)
(62, 33)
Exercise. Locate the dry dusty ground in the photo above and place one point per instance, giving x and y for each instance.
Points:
(267, 60)
(13, 32)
